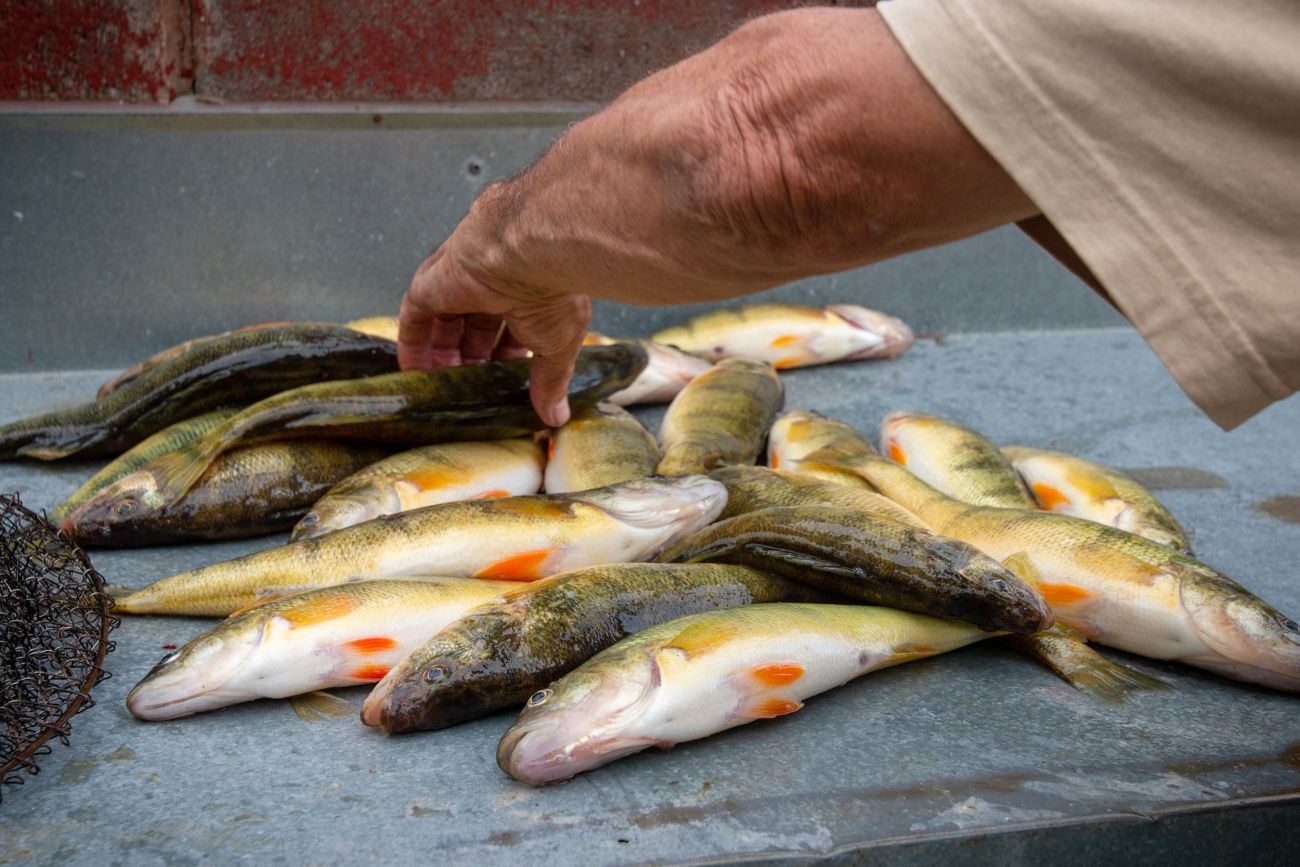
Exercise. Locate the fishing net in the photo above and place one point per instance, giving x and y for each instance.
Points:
(54, 626)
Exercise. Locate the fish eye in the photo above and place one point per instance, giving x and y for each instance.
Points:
(309, 519)
(540, 697)
(123, 508)
(1000, 584)
(171, 657)
(1287, 623)
(436, 674)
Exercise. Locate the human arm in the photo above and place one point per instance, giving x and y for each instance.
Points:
(803, 143)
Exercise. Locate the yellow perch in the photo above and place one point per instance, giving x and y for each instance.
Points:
(954, 459)
(1114, 587)
(798, 433)
(752, 488)
(376, 326)
(510, 539)
(335, 636)
(1073, 486)
(603, 446)
(963, 464)
(427, 476)
(789, 335)
(704, 673)
(720, 418)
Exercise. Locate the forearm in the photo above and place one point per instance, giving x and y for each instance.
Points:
(796, 146)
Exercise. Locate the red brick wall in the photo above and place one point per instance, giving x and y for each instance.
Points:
(424, 50)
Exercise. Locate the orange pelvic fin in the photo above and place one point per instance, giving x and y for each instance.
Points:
(525, 566)
(368, 673)
(1064, 594)
(896, 453)
(779, 674)
(767, 708)
(373, 644)
(1050, 498)
(788, 362)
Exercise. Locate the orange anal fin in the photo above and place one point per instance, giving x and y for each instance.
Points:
(373, 644)
(775, 462)
(1064, 594)
(493, 494)
(896, 453)
(368, 673)
(550, 448)
(788, 362)
(779, 674)
(1050, 498)
(768, 708)
(525, 566)
(786, 340)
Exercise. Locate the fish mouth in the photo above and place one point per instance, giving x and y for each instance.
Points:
(533, 755)
(196, 678)
(550, 744)
(147, 705)
(1247, 638)
(895, 335)
(680, 503)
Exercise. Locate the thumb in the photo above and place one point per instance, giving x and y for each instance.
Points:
(549, 385)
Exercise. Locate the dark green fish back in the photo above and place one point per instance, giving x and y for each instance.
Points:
(498, 655)
(240, 367)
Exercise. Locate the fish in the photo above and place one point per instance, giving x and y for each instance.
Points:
(720, 418)
(752, 488)
(508, 539)
(666, 373)
(172, 352)
(236, 368)
(426, 476)
(166, 440)
(602, 446)
(872, 561)
(321, 639)
(376, 326)
(1073, 486)
(498, 654)
(964, 465)
(419, 407)
(250, 491)
(797, 433)
(1113, 587)
(704, 673)
(789, 335)
(953, 459)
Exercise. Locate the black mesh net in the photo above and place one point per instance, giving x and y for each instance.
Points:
(54, 626)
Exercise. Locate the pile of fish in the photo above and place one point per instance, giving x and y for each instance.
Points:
(662, 588)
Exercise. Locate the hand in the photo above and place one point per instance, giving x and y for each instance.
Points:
(451, 317)
(804, 143)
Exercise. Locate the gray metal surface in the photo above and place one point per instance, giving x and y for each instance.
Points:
(121, 234)
(976, 757)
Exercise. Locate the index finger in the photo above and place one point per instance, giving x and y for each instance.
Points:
(428, 330)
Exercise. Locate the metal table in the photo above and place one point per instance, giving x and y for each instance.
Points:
(125, 230)
(978, 755)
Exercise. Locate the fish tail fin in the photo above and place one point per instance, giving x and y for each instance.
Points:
(320, 706)
(1083, 668)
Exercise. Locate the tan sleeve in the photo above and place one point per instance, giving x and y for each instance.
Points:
(1162, 140)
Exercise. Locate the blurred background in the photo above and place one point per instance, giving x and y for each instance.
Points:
(176, 167)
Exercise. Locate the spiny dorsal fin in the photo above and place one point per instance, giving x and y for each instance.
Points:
(701, 637)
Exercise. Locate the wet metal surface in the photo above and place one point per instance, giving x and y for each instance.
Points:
(977, 755)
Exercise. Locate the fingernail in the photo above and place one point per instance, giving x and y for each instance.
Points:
(559, 413)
